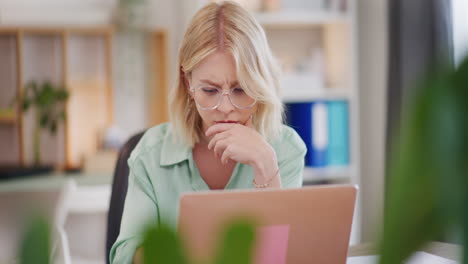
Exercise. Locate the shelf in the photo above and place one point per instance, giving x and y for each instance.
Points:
(91, 195)
(305, 87)
(7, 117)
(305, 95)
(7, 120)
(299, 18)
(77, 56)
(331, 174)
(52, 15)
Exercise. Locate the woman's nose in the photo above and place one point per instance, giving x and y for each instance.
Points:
(226, 105)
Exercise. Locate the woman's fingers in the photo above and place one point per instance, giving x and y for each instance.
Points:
(232, 138)
(220, 147)
(218, 128)
(226, 155)
(218, 137)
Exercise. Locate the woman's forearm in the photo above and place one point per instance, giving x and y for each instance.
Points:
(266, 172)
(267, 176)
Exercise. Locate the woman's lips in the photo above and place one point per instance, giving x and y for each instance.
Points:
(227, 121)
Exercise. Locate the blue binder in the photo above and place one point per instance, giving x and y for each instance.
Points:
(310, 119)
(338, 131)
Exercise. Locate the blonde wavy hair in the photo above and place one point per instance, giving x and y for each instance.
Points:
(226, 26)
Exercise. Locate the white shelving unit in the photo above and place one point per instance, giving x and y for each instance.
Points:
(292, 35)
(322, 94)
(319, 175)
(300, 18)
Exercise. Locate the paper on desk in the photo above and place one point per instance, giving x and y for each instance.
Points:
(418, 258)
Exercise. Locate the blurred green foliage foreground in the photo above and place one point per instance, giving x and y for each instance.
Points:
(161, 245)
(35, 246)
(428, 184)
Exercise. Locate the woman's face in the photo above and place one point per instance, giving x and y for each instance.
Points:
(218, 71)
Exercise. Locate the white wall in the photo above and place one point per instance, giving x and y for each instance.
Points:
(460, 28)
(373, 45)
(130, 87)
(167, 15)
(373, 48)
(131, 75)
(33, 12)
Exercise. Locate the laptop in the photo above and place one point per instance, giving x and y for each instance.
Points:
(293, 226)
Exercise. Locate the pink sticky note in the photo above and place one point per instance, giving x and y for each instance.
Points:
(272, 244)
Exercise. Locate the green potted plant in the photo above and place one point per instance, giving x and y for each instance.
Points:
(35, 246)
(49, 103)
(161, 244)
(428, 193)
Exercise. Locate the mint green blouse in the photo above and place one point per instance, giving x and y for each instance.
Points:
(162, 170)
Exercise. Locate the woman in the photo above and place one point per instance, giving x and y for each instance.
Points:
(226, 128)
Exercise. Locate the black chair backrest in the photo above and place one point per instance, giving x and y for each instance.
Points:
(119, 192)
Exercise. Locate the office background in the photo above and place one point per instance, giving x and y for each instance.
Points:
(126, 53)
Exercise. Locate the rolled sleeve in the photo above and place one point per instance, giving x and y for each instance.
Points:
(140, 209)
(124, 250)
(292, 170)
(291, 153)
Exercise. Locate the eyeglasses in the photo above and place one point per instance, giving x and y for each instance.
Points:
(210, 98)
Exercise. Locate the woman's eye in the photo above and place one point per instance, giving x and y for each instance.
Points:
(209, 90)
(238, 90)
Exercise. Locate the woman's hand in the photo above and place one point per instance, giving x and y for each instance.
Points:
(241, 143)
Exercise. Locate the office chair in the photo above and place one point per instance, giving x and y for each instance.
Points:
(119, 192)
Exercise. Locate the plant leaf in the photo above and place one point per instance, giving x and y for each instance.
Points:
(34, 88)
(162, 245)
(426, 188)
(237, 243)
(53, 127)
(44, 119)
(26, 104)
(62, 115)
(35, 245)
(62, 95)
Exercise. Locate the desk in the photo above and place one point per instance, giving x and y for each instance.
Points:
(54, 180)
(91, 195)
(86, 209)
(445, 250)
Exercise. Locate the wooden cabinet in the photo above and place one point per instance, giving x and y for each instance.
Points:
(88, 78)
(158, 106)
(76, 58)
(10, 83)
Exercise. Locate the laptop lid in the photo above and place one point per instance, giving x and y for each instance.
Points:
(295, 226)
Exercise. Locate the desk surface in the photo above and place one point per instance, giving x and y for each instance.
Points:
(55, 180)
(91, 195)
(445, 250)
(96, 187)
